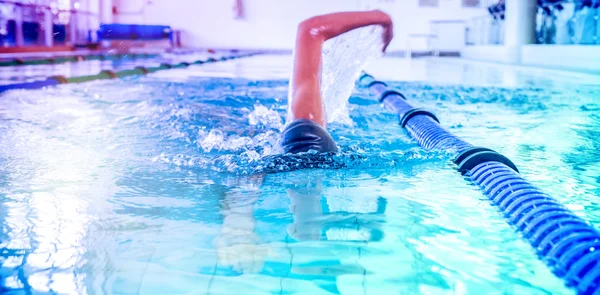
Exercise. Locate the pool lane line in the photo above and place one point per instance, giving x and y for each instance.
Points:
(568, 244)
(107, 74)
(74, 58)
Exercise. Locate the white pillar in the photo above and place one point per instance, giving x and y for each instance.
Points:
(73, 29)
(47, 28)
(19, 38)
(519, 25)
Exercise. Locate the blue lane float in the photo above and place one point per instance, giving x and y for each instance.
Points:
(133, 32)
(30, 85)
(567, 243)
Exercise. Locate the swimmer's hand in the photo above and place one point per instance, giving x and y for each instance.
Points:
(324, 27)
(388, 29)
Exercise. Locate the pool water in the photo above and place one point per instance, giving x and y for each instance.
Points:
(153, 185)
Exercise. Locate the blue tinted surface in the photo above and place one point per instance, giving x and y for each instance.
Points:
(150, 186)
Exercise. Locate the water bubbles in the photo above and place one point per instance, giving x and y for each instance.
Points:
(265, 117)
(213, 140)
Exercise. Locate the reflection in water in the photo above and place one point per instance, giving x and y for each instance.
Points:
(331, 218)
(240, 248)
(338, 214)
(237, 244)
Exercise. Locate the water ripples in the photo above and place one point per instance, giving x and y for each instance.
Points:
(120, 185)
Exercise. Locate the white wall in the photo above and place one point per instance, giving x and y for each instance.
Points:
(409, 18)
(132, 11)
(563, 57)
(494, 53)
(105, 13)
(271, 24)
(570, 57)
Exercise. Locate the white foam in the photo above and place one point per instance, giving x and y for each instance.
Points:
(261, 115)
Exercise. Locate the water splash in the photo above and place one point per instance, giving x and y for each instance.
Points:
(344, 58)
(262, 116)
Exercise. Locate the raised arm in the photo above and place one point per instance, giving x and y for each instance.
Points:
(312, 33)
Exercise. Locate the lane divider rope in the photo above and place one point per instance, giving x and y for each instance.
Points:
(568, 244)
(107, 74)
(74, 58)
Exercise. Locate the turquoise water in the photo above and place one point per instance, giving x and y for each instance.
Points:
(152, 185)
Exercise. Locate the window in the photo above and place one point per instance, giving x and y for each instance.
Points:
(471, 3)
(429, 3)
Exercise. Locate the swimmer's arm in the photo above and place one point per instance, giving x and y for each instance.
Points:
(312, 33)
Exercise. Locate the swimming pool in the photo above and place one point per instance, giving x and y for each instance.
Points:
(147, 185)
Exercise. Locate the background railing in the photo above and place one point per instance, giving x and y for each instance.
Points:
(485, 30)
(46, 23)
(557, 22)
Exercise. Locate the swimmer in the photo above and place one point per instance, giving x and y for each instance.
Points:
(237, 244)
(308, 127)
